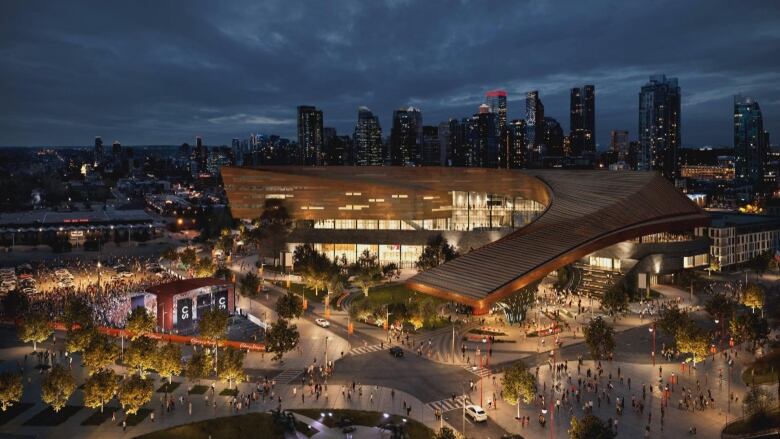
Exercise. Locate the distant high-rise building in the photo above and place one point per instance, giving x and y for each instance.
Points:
(200, 154)
(116, 149)
(458, 148)
(618, 144)
(98, 149)
(534, 120)
(337, 150)
(431, 146)
(368, 139)
(405, 137)
(496, 99)
(553, 137)
(444, 143)
(518, 147)
(659, 126)
(583, 120)
(484, 139)
(750, 148)
(238, 153)
(310, 135)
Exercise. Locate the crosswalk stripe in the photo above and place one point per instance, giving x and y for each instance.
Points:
(286, 376)
(480, 371)
(366, 349)
(448, 404)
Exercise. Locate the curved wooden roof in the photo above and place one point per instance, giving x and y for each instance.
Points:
(588, 210)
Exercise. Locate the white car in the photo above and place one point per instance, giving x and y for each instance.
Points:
(322, 322)
(476, 413)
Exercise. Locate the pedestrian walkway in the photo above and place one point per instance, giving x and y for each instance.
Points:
(287, 375)
(481, 372)
(368, 349)
(448, 404)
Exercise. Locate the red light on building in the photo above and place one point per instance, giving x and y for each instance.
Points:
(495, 93)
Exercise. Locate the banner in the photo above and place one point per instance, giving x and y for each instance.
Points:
(221, 300)
(184, 313)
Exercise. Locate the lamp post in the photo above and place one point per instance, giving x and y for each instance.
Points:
(652, 331)
(326, 354)
(98, 276)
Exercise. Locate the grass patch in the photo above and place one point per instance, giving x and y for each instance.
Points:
(764, 370)
(168, 387)
(98, 418)
(249, 425)
(49, 418)
(14, 411)
(199, 389)
(137, 418)
(229, 392)
(747, 426)
(414, 429)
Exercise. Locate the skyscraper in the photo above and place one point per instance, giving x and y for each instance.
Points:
(431, 146)
(405, 137)
(116, 149)
(583, 120)
(98, 149)
(517, 144)
(368, 139)
(553, 137)
(485, 139)
(659, 126)
(750, 149)
(496, 100)
(310, 134)
(618, 144)
(444, 143)
(458, 148)
(534, 120)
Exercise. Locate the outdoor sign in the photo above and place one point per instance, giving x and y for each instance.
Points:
(184, 312)
(221, 299)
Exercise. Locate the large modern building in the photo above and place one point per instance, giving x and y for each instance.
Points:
(738, 238)
(512, 227)
(750, 151)
(534, 120)
(582, 121)
(310, 135)
(659, 126)
(367, 139)
(406, 137)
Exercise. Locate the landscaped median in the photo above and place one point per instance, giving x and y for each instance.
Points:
(264, 425)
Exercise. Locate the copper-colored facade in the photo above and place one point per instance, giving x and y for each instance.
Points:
(584, 212)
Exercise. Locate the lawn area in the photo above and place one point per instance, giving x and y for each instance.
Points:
(137, 418)
(49, 418)
(308, 293)
(764, 370)
(14, 411)
(389, 293)
(746, 426)
(168, 387)
(98, 418)
(415, 429)
(229, 392)
(199, 389)
(249, 425)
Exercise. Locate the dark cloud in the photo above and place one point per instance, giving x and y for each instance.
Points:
(164, 71)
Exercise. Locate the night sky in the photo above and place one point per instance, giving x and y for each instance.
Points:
(162, 72)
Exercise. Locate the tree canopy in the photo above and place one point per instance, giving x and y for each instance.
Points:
(141, 354)
(600, 338)
(517, 304)
(518, 385)
(436, 252)
(10, 389)
(100, 388)
(35, 328)
(140, 322)
(57, 386)
(289, 306)
(590, 427)
(167, 360)
(249, 285)
(134, 393)
(100, 354)
(213, 324)
(230, 365)
(753, 296)
(281, 338)
(200, 366)
(692, 339)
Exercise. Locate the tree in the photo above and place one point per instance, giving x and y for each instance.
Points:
(204, 267)
(445, 433)
(79, 339)
(517, 305)
(200, 366)
(600, 338)
(170, 254)
(140, 354)
(35, 328)
(57, 386)
(281, 338)
(313, 266)
(213, 323)
(615, 300)
(167, 360)
(760, 262)
(10, 389)
(249, 285)
(590, 427)
(690, 338)
(140, 322)
(100, 388)
(436, 252)
(134, 393)
(518, 385)
(670, 319)
(753, 296)
(749, 327)
(231, 366)
(289, 306)
(758, 404)
(188, 257)
(100, 354)
(720, 307)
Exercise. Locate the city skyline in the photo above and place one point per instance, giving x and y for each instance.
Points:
(75, 73)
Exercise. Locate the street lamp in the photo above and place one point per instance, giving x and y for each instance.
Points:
(98, 276)
(652, 331)
(327, 337)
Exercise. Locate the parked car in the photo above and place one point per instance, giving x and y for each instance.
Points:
(396, 352)
(322, 322)
(476, 413)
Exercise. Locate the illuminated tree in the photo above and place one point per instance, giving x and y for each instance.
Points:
(600, 338)
(100, 388)
(134, 393)
(590, 427)
(141, 354)
(690, 338)
(517, 304)
(57, 386)
(281, 338)
(200, 366)
(167, 360)
(140, 322)
(753, 296)
(231, 366)
(79, 339)
(518, 385)
(213, 323)
(100, 354)
(10, 389)
(436, 252)
(35, 328)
